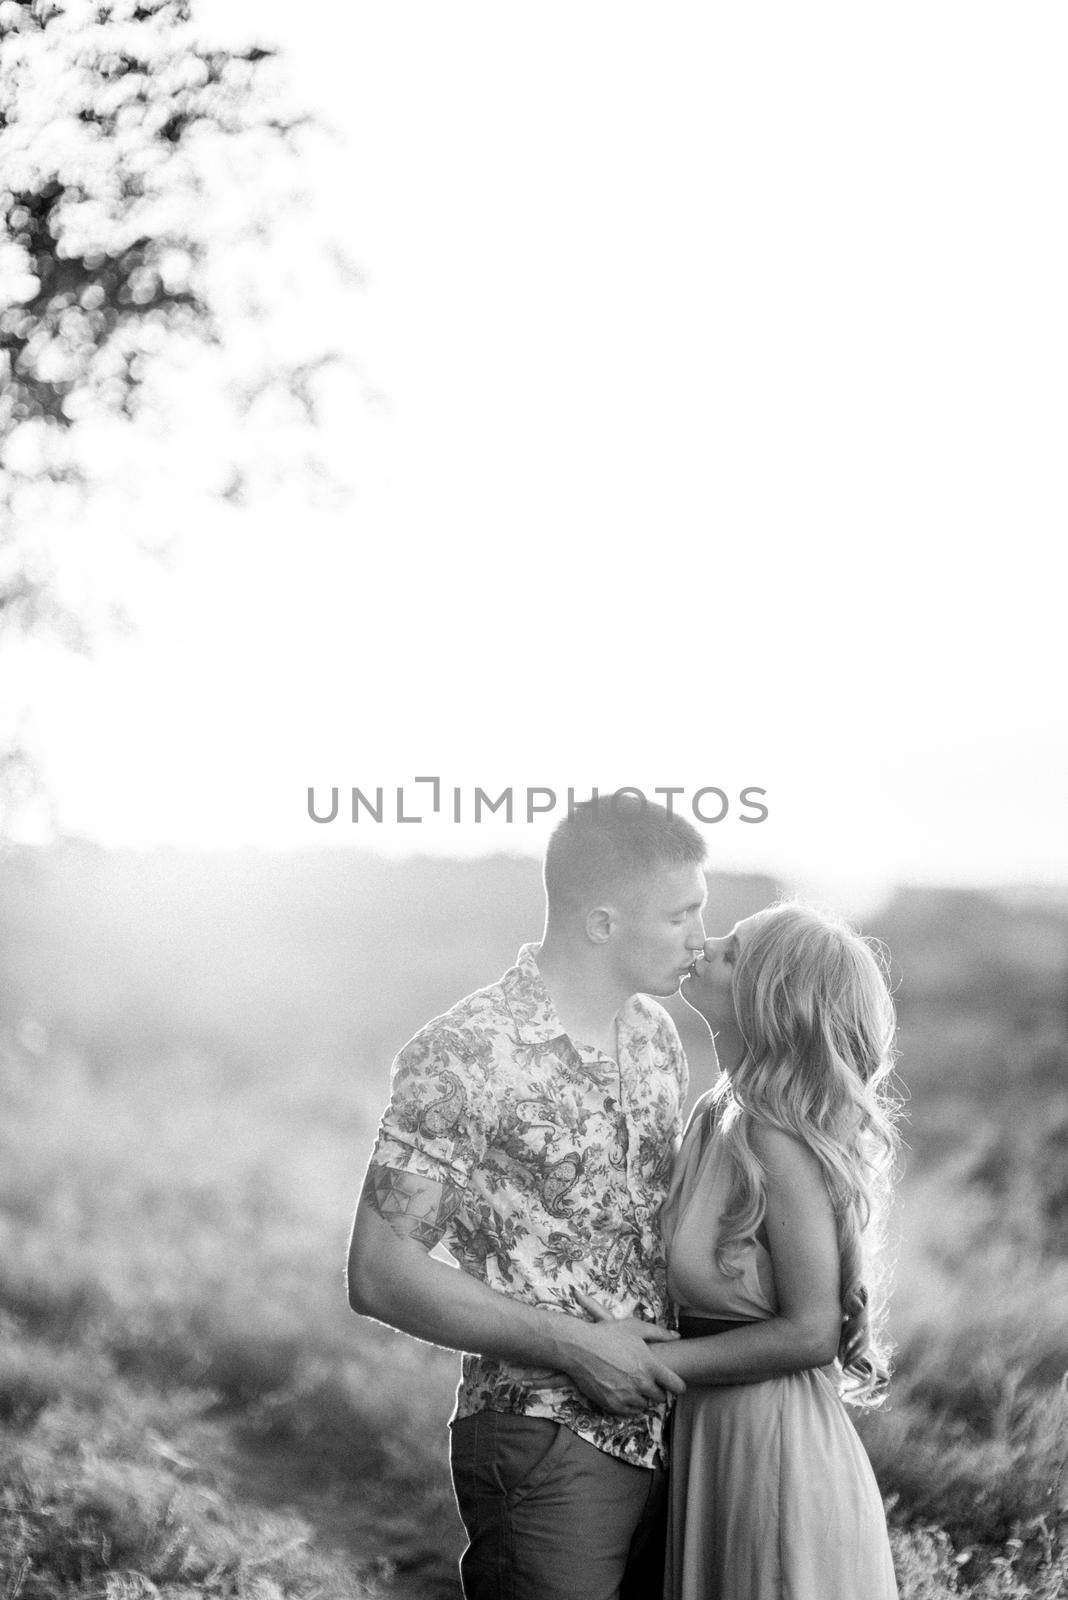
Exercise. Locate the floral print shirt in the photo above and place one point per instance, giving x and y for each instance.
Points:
(559, 1160)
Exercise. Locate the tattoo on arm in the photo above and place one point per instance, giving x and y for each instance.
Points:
(415, 1207)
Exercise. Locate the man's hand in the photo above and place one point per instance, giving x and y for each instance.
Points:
(611, 1363)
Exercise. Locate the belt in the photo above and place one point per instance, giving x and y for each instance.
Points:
(693, 1326)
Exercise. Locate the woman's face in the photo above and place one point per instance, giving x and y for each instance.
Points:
(707, 988)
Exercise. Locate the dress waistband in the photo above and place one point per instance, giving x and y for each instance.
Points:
(694, 1326)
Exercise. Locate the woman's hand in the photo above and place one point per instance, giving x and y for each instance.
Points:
(856, 1327)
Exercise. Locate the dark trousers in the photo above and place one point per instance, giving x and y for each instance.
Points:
(551, 1517)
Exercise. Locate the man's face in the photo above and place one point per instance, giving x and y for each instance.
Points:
(659, 930)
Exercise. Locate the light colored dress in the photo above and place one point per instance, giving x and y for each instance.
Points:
(772, 1494)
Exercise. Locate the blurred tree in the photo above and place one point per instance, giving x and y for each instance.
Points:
(136, 161)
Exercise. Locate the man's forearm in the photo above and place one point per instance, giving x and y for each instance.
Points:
(394, 1280)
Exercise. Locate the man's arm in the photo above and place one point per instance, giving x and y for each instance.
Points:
(391, 1276)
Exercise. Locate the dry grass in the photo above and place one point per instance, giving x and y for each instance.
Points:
(108, 1490)
(973, 1440)
(178, 1369)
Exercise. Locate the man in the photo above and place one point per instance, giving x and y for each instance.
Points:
(531, 1130)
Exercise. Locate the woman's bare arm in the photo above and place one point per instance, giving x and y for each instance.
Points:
(803, 1244)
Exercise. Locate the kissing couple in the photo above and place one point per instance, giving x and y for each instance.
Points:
(660, 1331)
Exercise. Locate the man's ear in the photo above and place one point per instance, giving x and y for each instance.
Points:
(601, 923)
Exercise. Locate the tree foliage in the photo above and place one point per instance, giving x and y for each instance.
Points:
(146, 170)
(118, 119)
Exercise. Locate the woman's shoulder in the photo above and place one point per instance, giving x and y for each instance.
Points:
(784, 1155)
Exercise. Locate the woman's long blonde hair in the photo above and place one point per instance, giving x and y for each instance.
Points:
(816, 1016)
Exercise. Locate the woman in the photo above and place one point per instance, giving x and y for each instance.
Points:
(770, 1227)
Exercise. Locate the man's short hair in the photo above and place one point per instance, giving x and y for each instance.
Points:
(609, 845)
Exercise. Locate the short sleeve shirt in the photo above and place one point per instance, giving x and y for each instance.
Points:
(556, 1160)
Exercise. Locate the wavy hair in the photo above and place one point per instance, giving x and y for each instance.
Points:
(816, 1016)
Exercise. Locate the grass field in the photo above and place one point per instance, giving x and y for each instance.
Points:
(189, 1408)
(177, 1360)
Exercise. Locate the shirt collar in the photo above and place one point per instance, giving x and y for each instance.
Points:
(529, 1000)
(532, 1006)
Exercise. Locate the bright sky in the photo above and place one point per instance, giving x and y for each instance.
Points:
(721, 355)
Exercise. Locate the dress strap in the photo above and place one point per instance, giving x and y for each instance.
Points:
(705, 1111)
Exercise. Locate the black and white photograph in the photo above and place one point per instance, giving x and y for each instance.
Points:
(533, 778)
